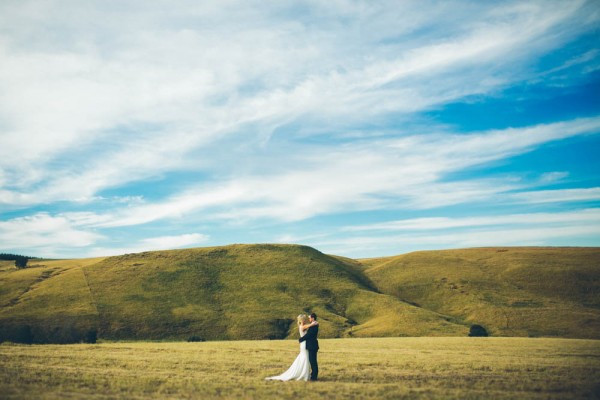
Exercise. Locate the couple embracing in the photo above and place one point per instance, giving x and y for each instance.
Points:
(305, 366)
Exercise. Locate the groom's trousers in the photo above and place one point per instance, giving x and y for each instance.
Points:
(314, 365)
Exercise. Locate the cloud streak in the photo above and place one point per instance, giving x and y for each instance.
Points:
(180, 90)
(535, 229)
(242, 113)
(405, 173)
(46, 234)
(589, 217)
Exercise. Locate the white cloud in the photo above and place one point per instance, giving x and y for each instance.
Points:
(56, 235)
(377, 246)
(271, 110)
(44, 234)
(552, 177)
(387, 174)
(150, 244)
(88, 107)
(176, 207)
(558, 195)
(171, 242)
(588, 216)
(537, 229)
(406, 173)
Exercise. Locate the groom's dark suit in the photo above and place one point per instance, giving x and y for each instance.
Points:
(312, 345)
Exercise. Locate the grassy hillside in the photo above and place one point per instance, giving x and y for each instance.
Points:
(256, 291)
(511, 291)
(48, 302)
(232, 292)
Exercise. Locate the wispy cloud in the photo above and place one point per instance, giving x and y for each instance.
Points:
(45, 234)
(588, 216)
(408, 173)
(559, 195)
(151, 244)
(388, 245)
(173, 90)
(167, 242)
(58, 235)
(536, 229)
(278, 112)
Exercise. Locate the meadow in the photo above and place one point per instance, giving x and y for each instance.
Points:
(359, 368)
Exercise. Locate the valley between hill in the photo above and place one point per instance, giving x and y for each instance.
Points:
(255, 292)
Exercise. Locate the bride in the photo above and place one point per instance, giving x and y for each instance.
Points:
(300, 368)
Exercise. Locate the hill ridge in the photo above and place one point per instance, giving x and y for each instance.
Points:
(516, 291)
(254, 291)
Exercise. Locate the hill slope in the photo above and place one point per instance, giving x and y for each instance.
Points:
(511, 291)
(232, 292)
(255, 292)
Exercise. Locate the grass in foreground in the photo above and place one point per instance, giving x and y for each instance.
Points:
(350, 368)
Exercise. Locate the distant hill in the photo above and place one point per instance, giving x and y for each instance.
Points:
(511, 291)
(256, 291)
(232, 292)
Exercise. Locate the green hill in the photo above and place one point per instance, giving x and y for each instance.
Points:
(256, 291)
(510, 291)
(232, 292)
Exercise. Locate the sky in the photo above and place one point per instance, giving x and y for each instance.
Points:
(361, 128)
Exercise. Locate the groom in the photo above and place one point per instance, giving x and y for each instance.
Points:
(312, 345)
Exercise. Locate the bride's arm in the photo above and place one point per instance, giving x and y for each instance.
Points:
(305, 327)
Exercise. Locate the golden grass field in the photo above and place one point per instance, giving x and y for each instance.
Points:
(375, 368)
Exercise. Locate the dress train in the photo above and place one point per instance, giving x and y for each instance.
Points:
(300, 368)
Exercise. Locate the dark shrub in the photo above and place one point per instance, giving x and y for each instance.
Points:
(23, 334)
(478, 331)
(91, 336)
(279, 328)
(195, 339)
(21, 262)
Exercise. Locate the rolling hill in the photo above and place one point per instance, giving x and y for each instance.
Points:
(255, 292)
(511, 291)
(232, 292)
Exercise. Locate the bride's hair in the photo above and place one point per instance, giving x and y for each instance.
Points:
(302, 319)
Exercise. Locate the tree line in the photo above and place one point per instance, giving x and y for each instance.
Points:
(20, 261)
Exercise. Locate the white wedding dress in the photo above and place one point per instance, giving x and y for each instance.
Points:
(300, 368)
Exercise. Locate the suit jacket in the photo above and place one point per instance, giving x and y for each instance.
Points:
(312, 344)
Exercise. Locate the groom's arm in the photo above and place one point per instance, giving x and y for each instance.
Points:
(310, 334)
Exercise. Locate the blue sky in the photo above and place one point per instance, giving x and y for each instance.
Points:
(361, 128)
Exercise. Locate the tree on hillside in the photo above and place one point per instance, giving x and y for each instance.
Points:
(478, 331)
(21, 262)
(91, 336)
(24, 335)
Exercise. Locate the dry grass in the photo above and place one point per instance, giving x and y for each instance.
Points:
(515, 291)
(252, 292)
(222, 293)
(459, 368)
